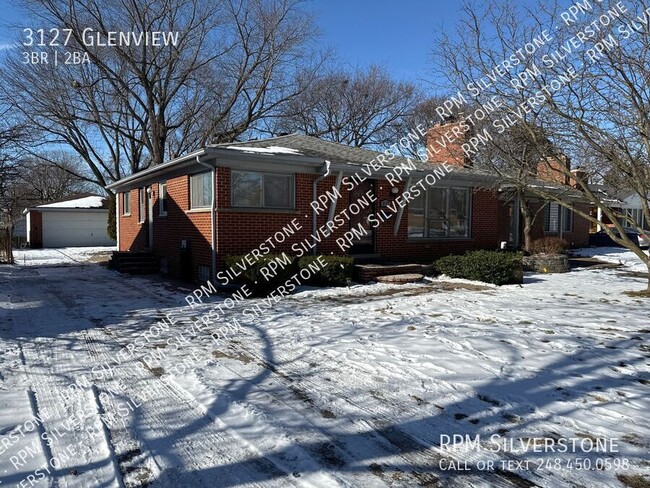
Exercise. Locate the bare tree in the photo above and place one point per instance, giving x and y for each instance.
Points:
(582, 79)
(423, 115)
(231, 65)
(363, 108)
(514, 156)
(44, 180)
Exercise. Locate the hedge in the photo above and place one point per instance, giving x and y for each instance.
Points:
(338, 271)
(499, 268)
(252, 276)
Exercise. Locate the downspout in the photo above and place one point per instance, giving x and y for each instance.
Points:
(213, 216)
(335, 200)
(117, 218)
(400, 211)
(314, 225)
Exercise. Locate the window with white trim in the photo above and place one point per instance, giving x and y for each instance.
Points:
(637, 216)
(201, 190)
(162, 198)
(126, 203)
(439, 213)
(252, 189)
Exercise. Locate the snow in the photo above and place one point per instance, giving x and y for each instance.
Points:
(266, 150)
(58, 256)
(85, 202)
(615, 255)
(333, 387)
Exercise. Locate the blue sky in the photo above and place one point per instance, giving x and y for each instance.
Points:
(397, 35)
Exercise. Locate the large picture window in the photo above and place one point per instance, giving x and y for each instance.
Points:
(439, 213)
(251, 189)
(201, 190)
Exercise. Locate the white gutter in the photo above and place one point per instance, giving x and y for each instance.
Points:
(213, 216)
(155, 169)
(314, 198)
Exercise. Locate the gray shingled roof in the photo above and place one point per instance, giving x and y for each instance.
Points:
(335, 152)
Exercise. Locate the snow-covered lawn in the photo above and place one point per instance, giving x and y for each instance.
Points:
(336, 387)
(56, 256)
(616, 255)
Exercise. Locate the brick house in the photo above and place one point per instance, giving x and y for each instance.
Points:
(263, 186)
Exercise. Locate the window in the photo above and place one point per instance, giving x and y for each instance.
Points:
(262, 190)
(162, 198)
(201, 190)
(554, 214)
(126, 203)
(637, 216)
(567, 219)
(203, 273)
(439, 213)
(142, 204)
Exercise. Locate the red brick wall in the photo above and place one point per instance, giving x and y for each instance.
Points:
(579, 235)
(445, 144)
(132, 237)
(35, 229)
(240, 231)
(552, 170)
(180, 224)
(484, 232)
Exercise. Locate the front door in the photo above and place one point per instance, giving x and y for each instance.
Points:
(363, 244)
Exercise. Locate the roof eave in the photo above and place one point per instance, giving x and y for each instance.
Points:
(212, 155)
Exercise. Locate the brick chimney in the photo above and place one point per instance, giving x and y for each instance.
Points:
(445, 144)
(551, 169)
(579, 174)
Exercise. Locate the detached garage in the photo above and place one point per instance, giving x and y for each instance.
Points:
(77, 222)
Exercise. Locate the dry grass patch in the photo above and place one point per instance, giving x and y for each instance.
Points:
(634, 480)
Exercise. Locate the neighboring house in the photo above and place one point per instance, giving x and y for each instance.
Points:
(76, 222)
(631, 206)
(626, 202)
(262, 185)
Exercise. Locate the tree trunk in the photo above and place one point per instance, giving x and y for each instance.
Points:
(528, 225)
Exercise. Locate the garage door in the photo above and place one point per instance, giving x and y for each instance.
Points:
(70, 229)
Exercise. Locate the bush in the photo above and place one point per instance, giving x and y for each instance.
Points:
(111, 225)
(338, 271)
(253, 277)
(499, 268)
(549, 245)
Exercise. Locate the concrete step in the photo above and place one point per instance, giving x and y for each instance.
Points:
(401, 279)
(140, 262)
